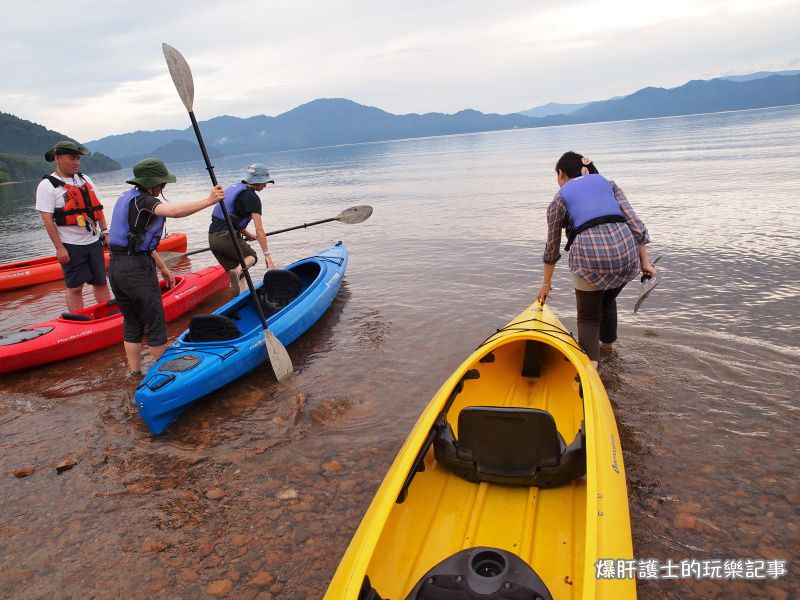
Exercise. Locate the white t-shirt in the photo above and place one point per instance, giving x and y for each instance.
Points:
(49, 197)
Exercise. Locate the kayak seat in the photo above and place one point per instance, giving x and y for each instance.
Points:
(280, 287)
(75, 317)
(510, 446)
(212, 328)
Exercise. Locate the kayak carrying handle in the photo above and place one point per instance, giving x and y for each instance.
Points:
(441, 420)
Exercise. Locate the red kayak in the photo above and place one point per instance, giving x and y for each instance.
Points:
(100, 325)
(40, 270)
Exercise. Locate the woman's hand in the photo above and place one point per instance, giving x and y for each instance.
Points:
(648, 268)
(168, 277)
(544, 292)
(216, 194)
(268, 260)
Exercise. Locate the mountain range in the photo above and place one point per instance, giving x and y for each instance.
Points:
(336, 121)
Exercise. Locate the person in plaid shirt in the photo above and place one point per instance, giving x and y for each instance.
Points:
(606, 244)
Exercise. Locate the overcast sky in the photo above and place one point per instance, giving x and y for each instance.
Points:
(91, 69)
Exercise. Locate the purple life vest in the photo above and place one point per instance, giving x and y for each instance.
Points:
(240, 222)
(590, 201)
(123, 236)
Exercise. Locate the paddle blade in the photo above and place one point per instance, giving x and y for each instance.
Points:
(648, 286)
(355, 214)
(278, 357)
(181, 75)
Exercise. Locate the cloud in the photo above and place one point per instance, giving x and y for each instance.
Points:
(265, 58)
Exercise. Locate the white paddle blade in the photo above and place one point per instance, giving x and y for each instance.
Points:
(355, 214)
(278, 357)
(181, 75)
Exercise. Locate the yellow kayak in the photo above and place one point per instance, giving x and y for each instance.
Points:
(511, 484)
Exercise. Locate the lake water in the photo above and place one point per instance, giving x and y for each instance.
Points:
(704, 382)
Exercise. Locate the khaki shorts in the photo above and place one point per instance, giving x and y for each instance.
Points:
(224, 251)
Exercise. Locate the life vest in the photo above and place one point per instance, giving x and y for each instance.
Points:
(80, 203)
(126, 234)
(240, 222)
(590, 201)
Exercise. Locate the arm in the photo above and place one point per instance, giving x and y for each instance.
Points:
(262, 239)
(189, 208)
(165, 272)
(52, 231)
(556, 214)
(637, 228)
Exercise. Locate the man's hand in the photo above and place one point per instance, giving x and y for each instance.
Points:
(62, 255)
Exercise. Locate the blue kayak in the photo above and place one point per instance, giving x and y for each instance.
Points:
(193, 366)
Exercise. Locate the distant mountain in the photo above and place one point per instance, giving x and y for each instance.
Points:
(695, 97)
(552, 108)
(176, 151)
(22, 148)
(759, 75)
(328, 122)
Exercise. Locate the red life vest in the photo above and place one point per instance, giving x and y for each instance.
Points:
(80, 202)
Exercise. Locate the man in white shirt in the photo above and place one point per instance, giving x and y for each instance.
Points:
(71, 211)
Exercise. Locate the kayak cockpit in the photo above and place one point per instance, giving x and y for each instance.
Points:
(494, 471)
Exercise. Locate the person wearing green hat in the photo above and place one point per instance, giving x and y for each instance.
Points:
(244, 205)
(137, 224)
(72, 213)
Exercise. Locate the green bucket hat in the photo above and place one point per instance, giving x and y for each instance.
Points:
(65, 147)
(151, 172)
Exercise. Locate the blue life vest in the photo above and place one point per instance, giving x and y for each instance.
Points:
(590, 201)
(240, 222)
(125, 235)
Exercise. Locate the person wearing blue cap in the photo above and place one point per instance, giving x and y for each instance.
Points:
(244, 205)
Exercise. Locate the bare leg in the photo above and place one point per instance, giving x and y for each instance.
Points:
(101, 293)
(249, 261)
(157, 351)
(133, 354)
(594, 363)
(75, 298)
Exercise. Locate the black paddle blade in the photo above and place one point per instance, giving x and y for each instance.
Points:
(181, 75)
(355, 214)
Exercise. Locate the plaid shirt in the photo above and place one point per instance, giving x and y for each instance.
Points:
(606, 255)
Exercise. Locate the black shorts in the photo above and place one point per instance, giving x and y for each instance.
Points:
(135, 285)
(225, 252)
(86, 265)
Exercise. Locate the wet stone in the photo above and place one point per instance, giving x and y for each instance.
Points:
(205, 549)
(332, 467)
(262, 578)
(22, 472)
(288, 494)
(149, 547)
(65, 465)
(220, 587)
(215, 493)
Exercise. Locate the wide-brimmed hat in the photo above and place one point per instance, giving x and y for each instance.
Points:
(65, 147)
(257, 173)
(151, 172)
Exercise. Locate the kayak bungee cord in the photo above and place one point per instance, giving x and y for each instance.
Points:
(553, 332)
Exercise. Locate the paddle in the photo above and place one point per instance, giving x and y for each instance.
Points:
(184, 83)
(648, 285)
(350, 216)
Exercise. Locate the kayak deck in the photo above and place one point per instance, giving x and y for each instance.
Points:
(535, 480)
(444, 513)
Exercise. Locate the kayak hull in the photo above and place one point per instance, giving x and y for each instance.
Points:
(67, 338)
(41, 270)
(170, 387)
(424, 515)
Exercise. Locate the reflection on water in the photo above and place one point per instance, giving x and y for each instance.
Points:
(260, 486)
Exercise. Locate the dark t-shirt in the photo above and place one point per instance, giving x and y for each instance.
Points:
(246, 203)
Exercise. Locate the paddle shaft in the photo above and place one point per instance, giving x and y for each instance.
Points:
(269, 233)
(228, 222)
